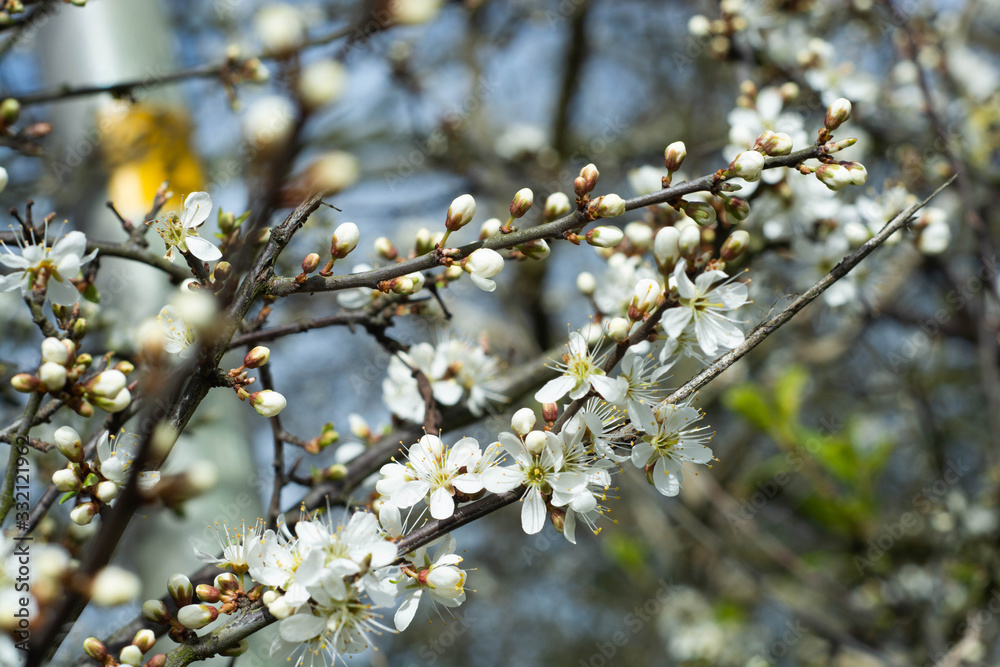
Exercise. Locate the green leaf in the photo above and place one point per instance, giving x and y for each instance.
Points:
(748, 401)
(66, 496)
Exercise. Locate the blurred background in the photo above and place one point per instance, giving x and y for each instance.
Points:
(852, 516)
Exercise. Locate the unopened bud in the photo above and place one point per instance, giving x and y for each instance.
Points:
(550, 412)
(345, 239)
(639, 235)
(747, 165)
(207, 593)
(537, 249)
(267, 403)
(605, 237)
(607, 206)
(674, 156)
(106, 491)
(385, 249)
(701, 212)
(336, 472)
(257, 357)
(55, 351)
(837, 113)
(460, 213)
(121, 401)
(523, 199)
(402, 285)
(125, 367)
(689, 241)
(359, 427)
(158, 660)
(586, 283)
(52, 375)
(534, 441)
(777, 143)
(737, 208)
(83, 514)
(107, 384)
(858, 173)
(180, 589)
(589, 174)
(144, 639)
(25, 383)
(558, 518)
(841, 145)
(834, 176)
(93, 647)
(68, 443)
(222, 271)
(644, 298)
(618, 329)
(490, 228)
(65, 480)
(155, 611)
(666, 251)
(580, 186)
(735, 245)
(130, 655)
(227, 582)
(523, 421)
(556, 206)
(10, 110)
(197, 616)
(310, 263)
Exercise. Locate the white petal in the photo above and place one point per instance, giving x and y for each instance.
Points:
(501, 480)
(675, 320)
(442, 504)
(484, 284)
(612, 391)
(407, 610)
(196, 208)
(61, 292)
(410, 493)
(533, 512)
(203, 249)
(555, 389)
(301, 627)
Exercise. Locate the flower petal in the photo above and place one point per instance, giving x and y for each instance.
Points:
(203, 249)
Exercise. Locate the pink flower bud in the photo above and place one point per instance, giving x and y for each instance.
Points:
(523, 199)
(257, 357)
(460, 213)
(310, 263)
(674, 156)
(589, 174)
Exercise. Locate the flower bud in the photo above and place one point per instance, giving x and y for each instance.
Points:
(701, 212)
(735, 245)
(385, 249)
(858, 173)
(106, 491)
(227, 222)
(68, 443)
(837, 113)
(197, 616)
(25, 383)
(401, 285)
(280, 28)
(550, 412)
(52, 375)
(207, 593)
(777, 143)
(10, 110)
(107, 384)
(586, 283)
(523, 421)
(155, 611)
(666, 251)
(556, 206)
(523, 199)
(605, 237)
(589, 174)
(131, 655)
(737, 208)
(279, 608)
(423, 241)
(56, 351)
(83, 514)
(144, 639)
(460, 213)
(618, 329)
(345, 239)
(689, 241)
(267, 403)
(418, 280)
(834, 176)
(321, 83)
(482, 265)
(674, 156)
(534, 441)
(639, 235)
(580, 186)
(537, 249)
(838, 146)
(158, 660)
(93, 647)
(607, 206)
(180, 589)
(126, 367)
(65, 480)
(747, 165)
(310, 263)
(257, 357)
(336, 472)
(114, 586)
(592, 332)
(644, 297)
(490, 228)
(116, 404)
